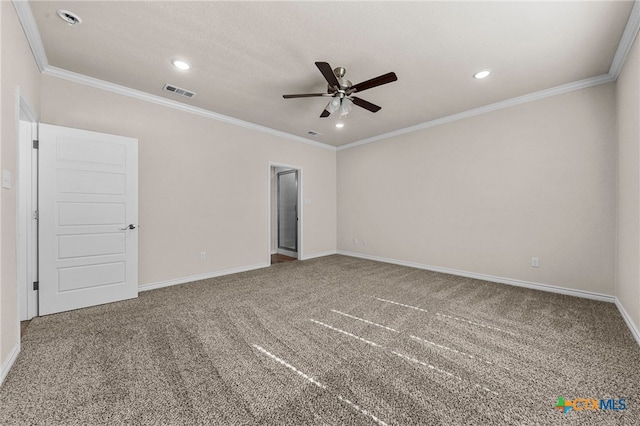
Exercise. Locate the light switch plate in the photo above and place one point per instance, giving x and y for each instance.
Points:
(6, 179)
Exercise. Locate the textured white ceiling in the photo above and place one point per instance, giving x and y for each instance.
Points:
(246, 55)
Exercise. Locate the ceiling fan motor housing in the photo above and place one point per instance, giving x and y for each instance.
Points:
(345, 84)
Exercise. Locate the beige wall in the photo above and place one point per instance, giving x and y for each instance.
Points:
(203, 184)
(18, 70)
(488, 193)
(628, 106)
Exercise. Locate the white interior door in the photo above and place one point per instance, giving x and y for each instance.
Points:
(88, 216)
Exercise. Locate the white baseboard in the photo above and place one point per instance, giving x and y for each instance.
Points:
(632, 327)
(192, 278)
(491, 278)
(321, 254)
(169, 283)
(287, 253)
(6, 366)
(274, 251)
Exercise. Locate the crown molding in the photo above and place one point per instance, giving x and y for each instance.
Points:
(28, 22)
(25, 16)
(558, 90)
(626, 41)
(159, 100)
(624, 46)
(30, 28)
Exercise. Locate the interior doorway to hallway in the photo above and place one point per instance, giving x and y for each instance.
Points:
(285, 212)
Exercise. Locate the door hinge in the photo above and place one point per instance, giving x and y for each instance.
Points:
(35, 215)
(36, 143)
(36, 285)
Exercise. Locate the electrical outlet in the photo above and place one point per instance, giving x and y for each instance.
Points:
(535, 262)
(203, 255)
(364, 242)
(355, 241)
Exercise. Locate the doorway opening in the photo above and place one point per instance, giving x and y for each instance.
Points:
(285, 212)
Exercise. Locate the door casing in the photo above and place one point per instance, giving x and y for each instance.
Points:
(270, 187)
(27, 207)
(279, 213)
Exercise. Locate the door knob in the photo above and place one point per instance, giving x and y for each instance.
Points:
(131, 226)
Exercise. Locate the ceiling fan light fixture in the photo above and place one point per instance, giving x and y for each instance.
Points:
(345, 107)
(482, 74)
(182, 65)
(333, 105)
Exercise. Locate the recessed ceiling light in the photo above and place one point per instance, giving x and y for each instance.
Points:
(180, 64)
(69, 17)
(482, 74)
(339, 125)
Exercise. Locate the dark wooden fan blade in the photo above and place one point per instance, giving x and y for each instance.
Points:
(304, 95)
(328, 74)
(366, 104)
(377, 81)
(325, 113)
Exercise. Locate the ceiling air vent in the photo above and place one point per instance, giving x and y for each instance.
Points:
(69, 17)
(314, 133)
(178, 91)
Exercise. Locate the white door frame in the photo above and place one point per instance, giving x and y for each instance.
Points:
(26, 205)
(300, 205)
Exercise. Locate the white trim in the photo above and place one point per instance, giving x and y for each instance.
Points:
(144, 96)
(632, 327)
(321, 254)
(626, 41)
(287, 252)
(18, 104)
(26, 238)
(4, 370)
(565, 88)
(26, 203)
(518, 283)
(28, 22)
(26, 112)
(193, 278)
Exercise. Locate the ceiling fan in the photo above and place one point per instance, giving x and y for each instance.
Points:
(342, 90)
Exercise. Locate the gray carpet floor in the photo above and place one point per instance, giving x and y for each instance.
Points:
(329, 341)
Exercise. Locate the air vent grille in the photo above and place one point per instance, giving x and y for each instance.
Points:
(178, 91)
(314, 133)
